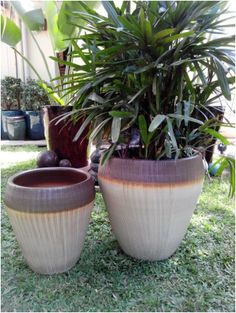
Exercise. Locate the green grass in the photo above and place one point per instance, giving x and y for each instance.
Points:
(26, 148)
(198, 277)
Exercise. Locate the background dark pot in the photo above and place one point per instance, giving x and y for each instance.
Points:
(211, 111)
(16, 127)
(60, 137)
(34, 125)
(4, 115)
(218, 111)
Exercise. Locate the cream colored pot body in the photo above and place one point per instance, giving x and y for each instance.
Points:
(50, 222)
(150, 203)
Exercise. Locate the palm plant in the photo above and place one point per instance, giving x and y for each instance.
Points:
(153, 71)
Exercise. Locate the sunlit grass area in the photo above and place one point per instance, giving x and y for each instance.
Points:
(198, 277)
(11, 155)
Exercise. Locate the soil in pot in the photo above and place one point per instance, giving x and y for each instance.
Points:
(49, 210)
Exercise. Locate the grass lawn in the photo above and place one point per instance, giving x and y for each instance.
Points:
(198, 277)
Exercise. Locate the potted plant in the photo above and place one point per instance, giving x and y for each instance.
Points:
(34, 98)
(145, 73)
(12, 119)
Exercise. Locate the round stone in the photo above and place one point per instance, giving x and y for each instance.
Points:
(65, 163)
(47, 159)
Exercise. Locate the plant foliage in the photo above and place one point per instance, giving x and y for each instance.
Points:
(155, 70)
(33, 96)
(11, 92)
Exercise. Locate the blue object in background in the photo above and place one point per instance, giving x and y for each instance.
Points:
(214, 169)
(34, 125)
(4, 115)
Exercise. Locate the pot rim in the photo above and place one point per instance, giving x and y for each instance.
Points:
(163, 161)
(140, 171)
(51, 199)
(48, 169)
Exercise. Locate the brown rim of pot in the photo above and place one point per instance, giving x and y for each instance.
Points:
(21, 195)
(185, 170)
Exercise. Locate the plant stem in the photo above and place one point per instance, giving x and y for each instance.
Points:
(146, 151)
(17, 72)
(43, 56)
(29, 63)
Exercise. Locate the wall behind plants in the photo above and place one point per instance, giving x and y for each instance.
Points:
(30, 50)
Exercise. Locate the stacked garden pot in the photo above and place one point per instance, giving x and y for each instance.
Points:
(49, 210)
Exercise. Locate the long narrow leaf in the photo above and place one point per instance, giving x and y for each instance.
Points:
(97, 130)
(177, 36)
(188, 119)
(217, 135)
(121, 114)
(171, 133)
(107, 154)
(84, 125)
(111, 12)
(156, 122)
(137, 95)
(143, 129)
(221, 75)
(115, 129)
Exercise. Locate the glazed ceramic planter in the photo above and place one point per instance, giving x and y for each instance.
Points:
(60, 136)
(34, 125)
(16, 127)
(150, 203)
(49, 210)
(4, 115)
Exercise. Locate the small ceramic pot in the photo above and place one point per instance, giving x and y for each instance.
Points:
(49, 210)
(150, 203)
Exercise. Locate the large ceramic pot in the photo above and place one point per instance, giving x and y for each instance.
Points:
(150, 203)
(4, 115)
(60, 136)
(49, 210)
(34, 125)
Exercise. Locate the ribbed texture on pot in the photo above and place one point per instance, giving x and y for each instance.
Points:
(51, 242)
(149, 212)
(49, 210)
